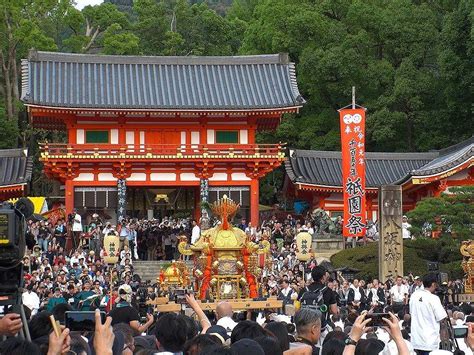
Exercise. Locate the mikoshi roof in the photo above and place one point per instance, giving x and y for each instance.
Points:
(144, 82)
(15, 167)
(324, 168)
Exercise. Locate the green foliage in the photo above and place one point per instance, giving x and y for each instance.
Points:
(455, 211)
(8, 131)
(411, 63)
(394, 52)
(417, 253)
(118, 42)
(178, 28)
(103, 26)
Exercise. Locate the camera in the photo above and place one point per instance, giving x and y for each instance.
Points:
(12, 235)
(180, 295)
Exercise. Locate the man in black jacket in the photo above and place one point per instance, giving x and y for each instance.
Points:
(320, 276)
(376, 297)
(356, 299)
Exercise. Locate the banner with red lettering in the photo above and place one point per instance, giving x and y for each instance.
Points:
(353, 170)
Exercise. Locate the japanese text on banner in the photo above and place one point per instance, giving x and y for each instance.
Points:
(353, 170)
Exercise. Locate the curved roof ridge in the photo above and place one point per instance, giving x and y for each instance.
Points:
(42, 56)
(90, 81)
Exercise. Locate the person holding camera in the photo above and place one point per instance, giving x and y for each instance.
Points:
(60, 233)
(76, 222)
(125, 313)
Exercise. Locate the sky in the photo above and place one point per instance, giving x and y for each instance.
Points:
(80, 4)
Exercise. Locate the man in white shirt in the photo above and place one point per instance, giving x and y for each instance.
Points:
(224, 314)
(196, 232)
(426, 312)
(405, 228)
(31, 300)
(286, 293)
(76, 227)
(399, 295)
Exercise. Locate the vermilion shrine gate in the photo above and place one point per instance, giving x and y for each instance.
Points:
(153, 136)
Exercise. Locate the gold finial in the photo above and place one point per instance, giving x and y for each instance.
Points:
(225, 208)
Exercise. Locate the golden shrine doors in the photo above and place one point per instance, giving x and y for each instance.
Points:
(163, 136)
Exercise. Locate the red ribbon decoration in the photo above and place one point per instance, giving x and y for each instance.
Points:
(207, 276)
(250, 278)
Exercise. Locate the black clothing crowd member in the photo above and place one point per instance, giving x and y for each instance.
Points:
(329, 303)
(125, 313)
(356, 298)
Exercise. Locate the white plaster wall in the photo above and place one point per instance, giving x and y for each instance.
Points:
(244, 136)
(84, 177)
(137, 177)
(130, 137)
(218, 177)
(210, 136)
(188, 177)
(194, 137)
(106, 177)
(163, 177)
(114, 136)
(80, 136)
(240, 177)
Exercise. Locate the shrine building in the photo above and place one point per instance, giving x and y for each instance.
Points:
(315, 177)
(15, 173)
(150, 137)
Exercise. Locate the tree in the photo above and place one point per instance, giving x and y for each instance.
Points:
(20, 27)
(119, 42)
(451, 212)
(8, 131)
(93, 24)
(151, 26)
(389, 50)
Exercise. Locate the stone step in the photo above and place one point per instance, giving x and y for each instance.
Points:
(150, 269)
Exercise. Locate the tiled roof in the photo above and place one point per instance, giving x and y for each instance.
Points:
(324, 168)
(15, 167)
(140, 82)
(448, 158)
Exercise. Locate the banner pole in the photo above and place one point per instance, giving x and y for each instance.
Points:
(353, 97)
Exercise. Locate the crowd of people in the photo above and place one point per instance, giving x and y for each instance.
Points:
(410, 318)
(333, 316)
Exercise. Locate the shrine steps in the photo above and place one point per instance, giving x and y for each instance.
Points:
(150, 270)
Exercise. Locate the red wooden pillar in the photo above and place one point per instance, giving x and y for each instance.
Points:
(69, 196)
(368, 208)
(254, 194)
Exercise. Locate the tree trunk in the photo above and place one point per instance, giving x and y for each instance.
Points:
(16, 90)
(14, 82)
(8, 87)
(410, 129)
(92, 40)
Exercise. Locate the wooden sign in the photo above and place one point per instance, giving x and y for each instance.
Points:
(390, 231)
(303, 246)
(112, 247)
